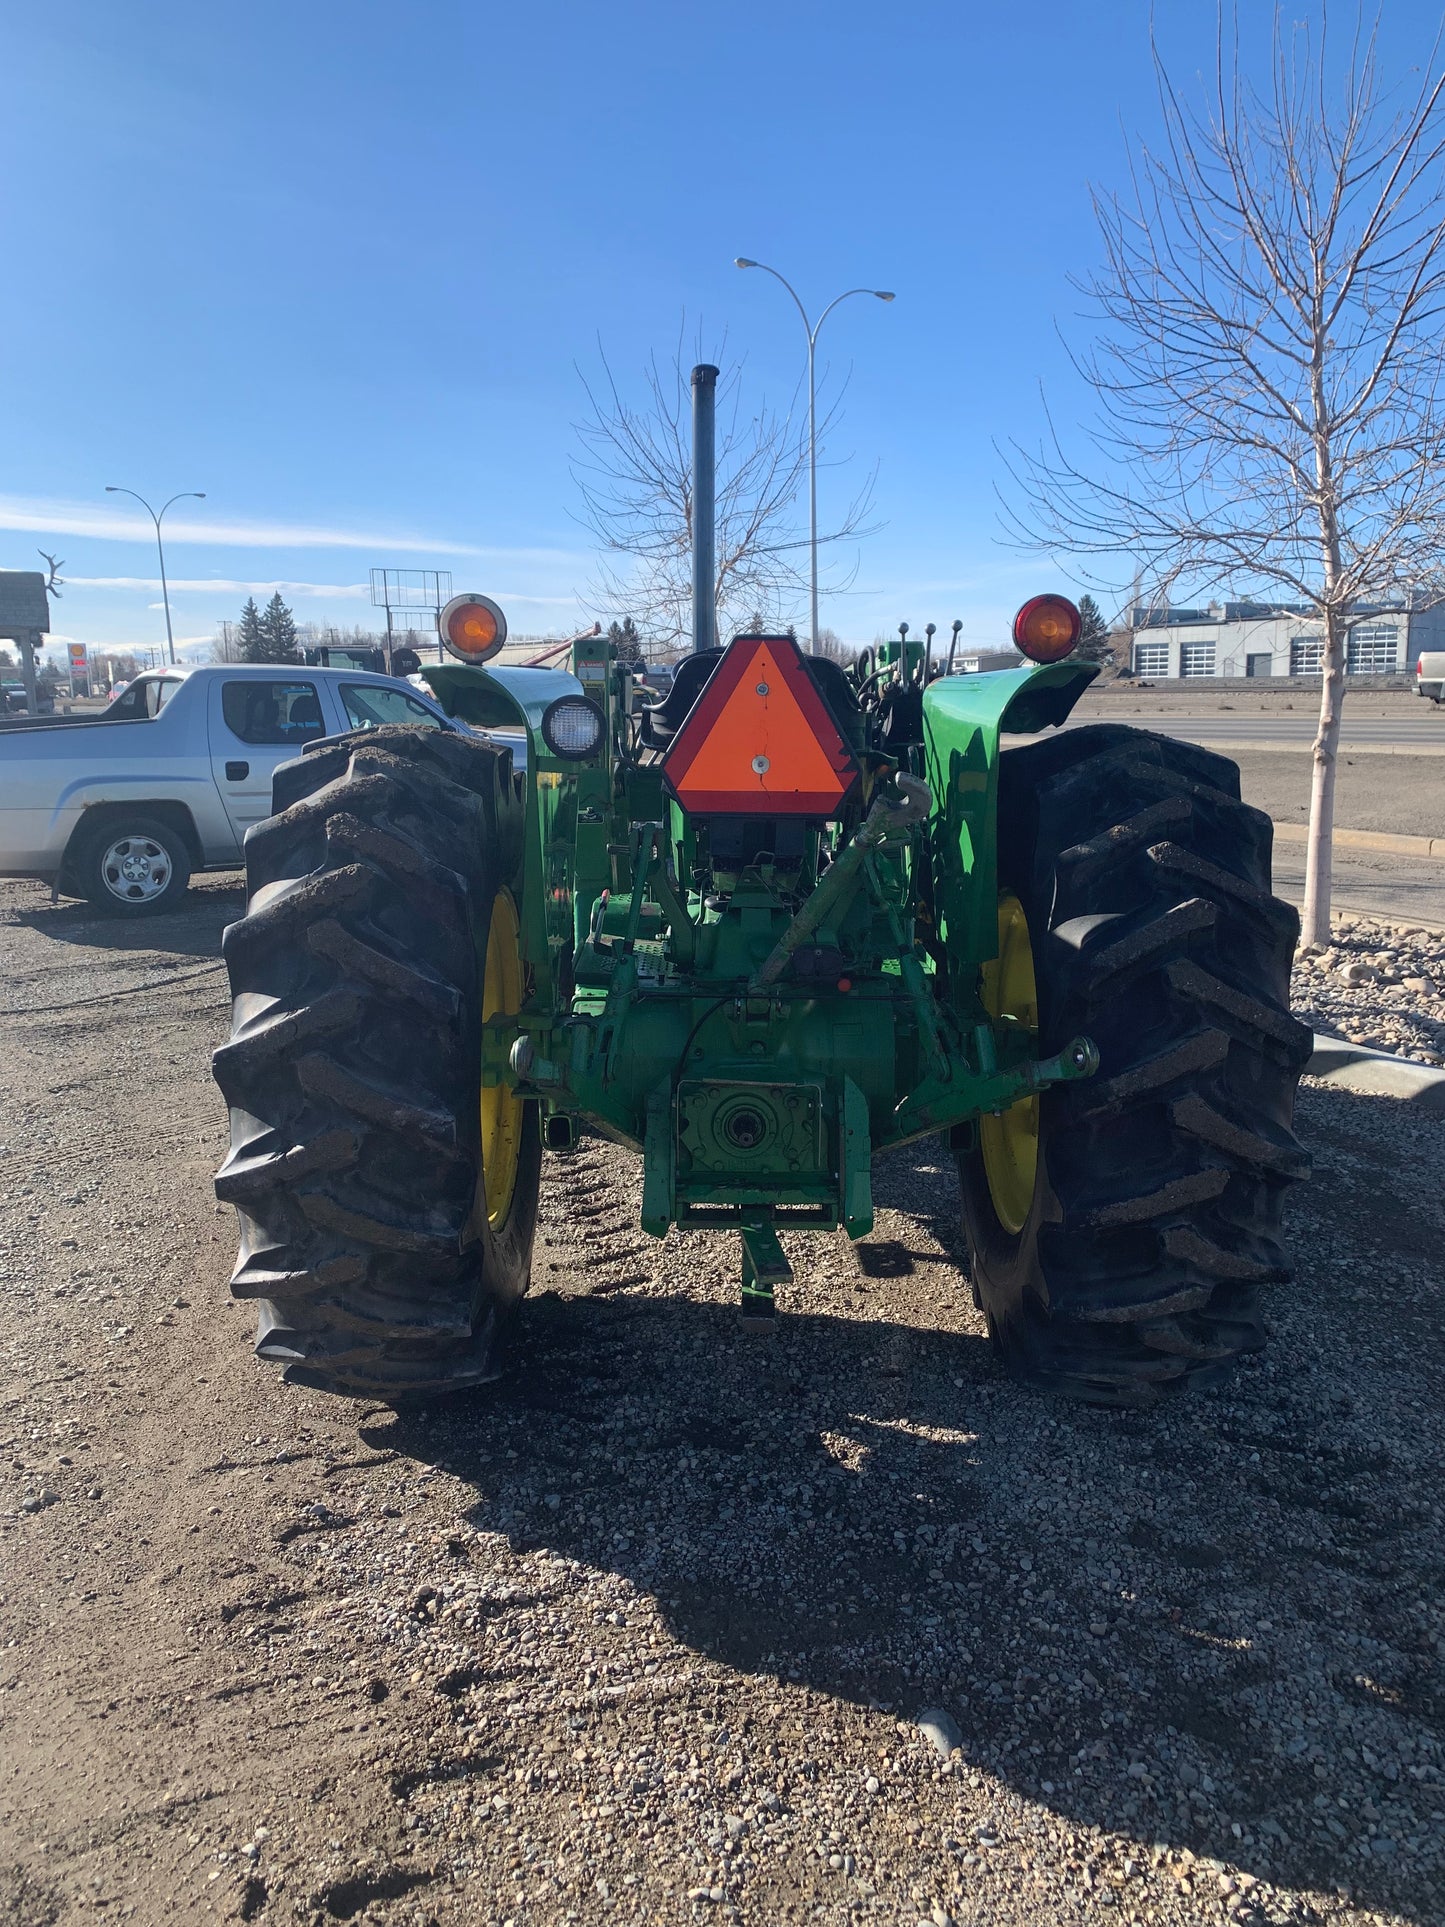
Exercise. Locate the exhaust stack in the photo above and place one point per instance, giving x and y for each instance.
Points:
(704, 507)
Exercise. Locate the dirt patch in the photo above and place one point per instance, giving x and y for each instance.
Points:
(645, 1631)
(1401, 795)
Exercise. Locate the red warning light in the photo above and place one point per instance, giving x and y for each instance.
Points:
(760, 739)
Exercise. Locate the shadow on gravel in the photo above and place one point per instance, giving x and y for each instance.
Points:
(1211, 1627)
(193, 930)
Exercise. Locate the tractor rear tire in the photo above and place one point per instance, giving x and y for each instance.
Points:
(353, 1073)
(1156, 1201)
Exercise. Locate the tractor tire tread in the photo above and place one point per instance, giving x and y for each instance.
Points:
(1146, 881)
(354, 1065)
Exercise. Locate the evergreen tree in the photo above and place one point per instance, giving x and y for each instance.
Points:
(251, 637)
(278, 632)
(625, 640)
(1093, 643)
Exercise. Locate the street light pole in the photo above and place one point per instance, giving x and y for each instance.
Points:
(811, 330)
(187, 495)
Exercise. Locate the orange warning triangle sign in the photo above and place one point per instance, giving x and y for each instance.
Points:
(760, 740)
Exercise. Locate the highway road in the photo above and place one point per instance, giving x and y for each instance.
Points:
(1411, 734)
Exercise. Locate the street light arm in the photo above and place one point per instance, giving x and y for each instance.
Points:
(111, 489)
(811, 330)
(833, 304)
(186, 495)
(791, 290)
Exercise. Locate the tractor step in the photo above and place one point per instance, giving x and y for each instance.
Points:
(764, 1267)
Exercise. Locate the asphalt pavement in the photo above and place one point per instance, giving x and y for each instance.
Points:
(1401, 889)
(1412, 733)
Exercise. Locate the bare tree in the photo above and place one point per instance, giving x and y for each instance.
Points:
(1270, 357)
(635, 477)
(832, 645)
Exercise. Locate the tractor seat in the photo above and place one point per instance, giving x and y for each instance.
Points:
(837, 692)
(661, 721)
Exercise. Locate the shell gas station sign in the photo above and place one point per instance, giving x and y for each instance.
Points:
(78, 656)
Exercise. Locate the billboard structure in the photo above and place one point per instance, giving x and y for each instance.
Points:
(412, 599)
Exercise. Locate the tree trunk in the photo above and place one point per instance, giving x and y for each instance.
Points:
(1319, 849)
(27, 641)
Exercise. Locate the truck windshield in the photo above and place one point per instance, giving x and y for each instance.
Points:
(369, 704)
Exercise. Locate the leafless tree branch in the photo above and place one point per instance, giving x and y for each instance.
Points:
(634, 474)
(1269, 356)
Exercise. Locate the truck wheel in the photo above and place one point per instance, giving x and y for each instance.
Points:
(132, 867)
(387, 1203)
(1120, 1228)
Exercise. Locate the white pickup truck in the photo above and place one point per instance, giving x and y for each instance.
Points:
(1430, 675)
(170, 777)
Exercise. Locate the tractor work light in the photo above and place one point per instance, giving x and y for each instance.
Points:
(1046, 628)
(472, 627)
(573, 727)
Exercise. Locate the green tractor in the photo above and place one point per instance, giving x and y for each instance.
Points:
(785, 918)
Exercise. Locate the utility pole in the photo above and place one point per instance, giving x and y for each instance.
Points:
(187, 495)
(811, 330)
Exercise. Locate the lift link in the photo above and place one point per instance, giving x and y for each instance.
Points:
(936, 1107)
(836, 887)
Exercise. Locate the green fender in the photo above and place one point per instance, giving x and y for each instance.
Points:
(501, 698)
(557, 792)
(963, 719)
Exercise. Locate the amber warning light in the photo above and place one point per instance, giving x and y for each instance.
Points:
(472, 627)
(1046, 628)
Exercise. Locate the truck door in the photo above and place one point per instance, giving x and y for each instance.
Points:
(257, 722)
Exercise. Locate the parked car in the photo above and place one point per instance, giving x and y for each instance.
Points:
(123, 807)
(1430, 675)
(14, 702)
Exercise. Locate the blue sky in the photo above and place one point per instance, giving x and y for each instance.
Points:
(337, 265)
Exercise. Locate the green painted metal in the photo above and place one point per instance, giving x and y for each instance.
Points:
(759, 1026)
(500, 698)
(963, 719)
(563, 800)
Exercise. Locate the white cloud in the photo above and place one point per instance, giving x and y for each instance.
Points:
(107, 523)
(203, 585)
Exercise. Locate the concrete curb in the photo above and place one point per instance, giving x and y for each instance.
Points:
(1280, 746)
(1377, 1073)
(1382, 840)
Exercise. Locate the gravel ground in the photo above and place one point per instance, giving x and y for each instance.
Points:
(674, 1624)
(1378, 983)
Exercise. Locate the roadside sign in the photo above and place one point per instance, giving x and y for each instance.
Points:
(24, 608)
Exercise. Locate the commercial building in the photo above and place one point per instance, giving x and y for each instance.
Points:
(1255, 639)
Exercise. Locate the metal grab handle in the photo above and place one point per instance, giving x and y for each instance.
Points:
(886, 816)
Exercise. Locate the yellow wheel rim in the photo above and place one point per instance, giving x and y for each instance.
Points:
(501, 1107)
(1010, 1143)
